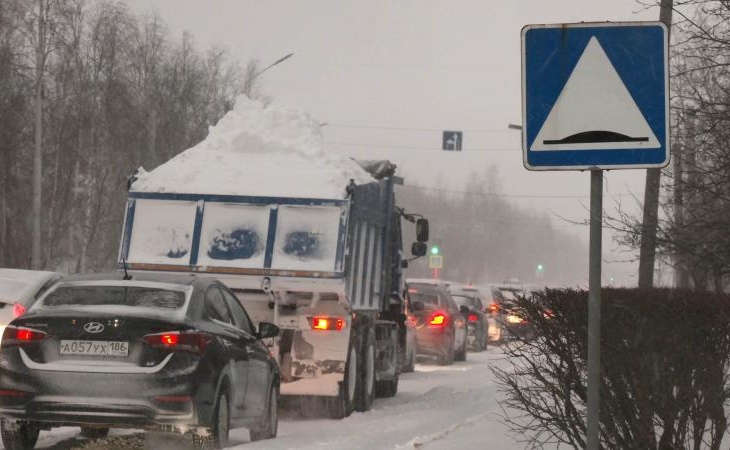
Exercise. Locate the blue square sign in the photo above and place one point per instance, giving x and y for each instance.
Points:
(595, 96)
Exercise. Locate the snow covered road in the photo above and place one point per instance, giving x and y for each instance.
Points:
(452, 407)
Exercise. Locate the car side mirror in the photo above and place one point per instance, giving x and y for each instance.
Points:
(418, 306)
(418, 249)
(464, 309)
(422, 230)
(267, 330)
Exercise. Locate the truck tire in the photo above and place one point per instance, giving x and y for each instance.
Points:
(366, 375)
(342, 406)
(386, 388)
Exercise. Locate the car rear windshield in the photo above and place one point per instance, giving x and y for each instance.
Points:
(424, 297)
(133, 296)
(460, 300)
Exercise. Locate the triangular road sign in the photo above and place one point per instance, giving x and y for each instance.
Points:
(594, 110)
(595, 96)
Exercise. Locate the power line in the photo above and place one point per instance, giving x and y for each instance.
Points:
(492, 194)
(411, 147)
(439, 130)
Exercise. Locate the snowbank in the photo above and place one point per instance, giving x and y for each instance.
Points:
(257, 150)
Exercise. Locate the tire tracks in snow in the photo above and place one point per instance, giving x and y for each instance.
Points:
(422, 441)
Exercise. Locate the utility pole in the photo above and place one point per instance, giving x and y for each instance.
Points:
(647, 252)
(40, 60)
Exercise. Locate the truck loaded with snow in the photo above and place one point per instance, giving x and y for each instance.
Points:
(306, 238)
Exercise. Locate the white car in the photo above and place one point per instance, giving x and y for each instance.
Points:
(19, 288)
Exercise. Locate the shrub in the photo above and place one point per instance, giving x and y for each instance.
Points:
(664, 367)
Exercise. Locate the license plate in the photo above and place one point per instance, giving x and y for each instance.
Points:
(94, 348)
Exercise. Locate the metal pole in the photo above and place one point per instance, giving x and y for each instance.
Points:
(594, 310)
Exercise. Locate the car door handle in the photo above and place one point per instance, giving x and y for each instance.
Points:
(249, 350)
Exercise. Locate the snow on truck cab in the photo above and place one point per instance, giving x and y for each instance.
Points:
(307, 240)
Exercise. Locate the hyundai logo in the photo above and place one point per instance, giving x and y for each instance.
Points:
(94, 327)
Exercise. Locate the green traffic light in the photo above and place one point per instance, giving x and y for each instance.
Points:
(540, 267)
(434, 250)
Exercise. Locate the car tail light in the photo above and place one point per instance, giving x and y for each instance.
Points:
(18, 310)
(179, 341)
(473, 318)
(437, 319)
(21, 335)
(328, 323)
(493, 308)
(12, 393)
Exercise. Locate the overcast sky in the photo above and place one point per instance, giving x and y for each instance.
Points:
(389, 76)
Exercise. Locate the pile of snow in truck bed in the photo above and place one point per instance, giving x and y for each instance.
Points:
(258, 150)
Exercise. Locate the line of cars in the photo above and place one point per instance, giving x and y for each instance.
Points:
(153, 351)
(451, 318)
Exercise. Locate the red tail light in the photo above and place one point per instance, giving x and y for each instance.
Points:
(473, 318)
(18, 310)
(179, 341)
(437, 319)
(20, 335)
(493, 308)
(328, 323)
(12, 393)
(173, 398)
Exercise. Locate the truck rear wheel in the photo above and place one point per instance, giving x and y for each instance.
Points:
(342, 406)
(366, 375)
(386, 388)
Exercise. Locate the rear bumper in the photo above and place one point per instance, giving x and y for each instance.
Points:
(177, 395)
(112, 412)
(433, 341)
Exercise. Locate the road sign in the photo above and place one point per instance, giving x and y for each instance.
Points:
(452, 140)
(595, 96)
(436, 262)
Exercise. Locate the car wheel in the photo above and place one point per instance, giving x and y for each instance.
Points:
(447, 358)
(221, 421)
(461, 354)
(94, 433)
(270, 421)
(19, 436)
(411, 364)
(366, 378)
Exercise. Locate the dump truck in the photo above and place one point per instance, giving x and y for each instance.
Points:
(329, 272)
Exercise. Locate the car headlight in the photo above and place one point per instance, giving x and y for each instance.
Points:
(514, 319)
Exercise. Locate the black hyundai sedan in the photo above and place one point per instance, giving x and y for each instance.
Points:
(161, 352)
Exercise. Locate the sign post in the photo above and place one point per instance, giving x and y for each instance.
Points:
(595, 96)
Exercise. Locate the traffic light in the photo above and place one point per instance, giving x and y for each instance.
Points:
(540, 270)
(435, 250)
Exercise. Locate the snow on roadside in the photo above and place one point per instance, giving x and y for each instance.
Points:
(258, 150)
(452, 407)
